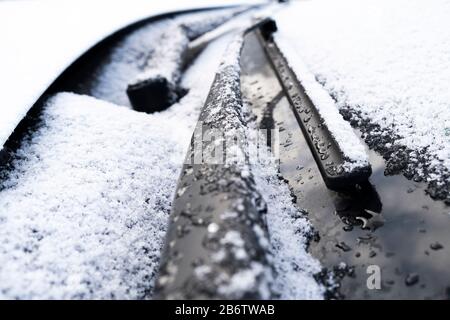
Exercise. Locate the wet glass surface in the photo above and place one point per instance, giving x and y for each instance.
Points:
(389, 222)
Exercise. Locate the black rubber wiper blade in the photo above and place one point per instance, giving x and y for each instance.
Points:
(217, 229)
(326, 151)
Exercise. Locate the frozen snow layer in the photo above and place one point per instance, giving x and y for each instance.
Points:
(83, 215)
(387, 65)
(355, 156)
(83, 212)
(42, 38)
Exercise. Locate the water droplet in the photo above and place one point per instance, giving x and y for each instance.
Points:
(436, 246)
(348, 228)
(343, 246)
(411, 279)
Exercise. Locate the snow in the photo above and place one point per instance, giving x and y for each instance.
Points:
(387, 65)
(79, 211)
(42, 38)
(243, 281)
(84, 211)
(288, 230)
(213, 227)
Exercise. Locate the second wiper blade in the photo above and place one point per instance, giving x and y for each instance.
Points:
(324, 147)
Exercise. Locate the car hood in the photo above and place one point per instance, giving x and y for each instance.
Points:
(40, 39)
